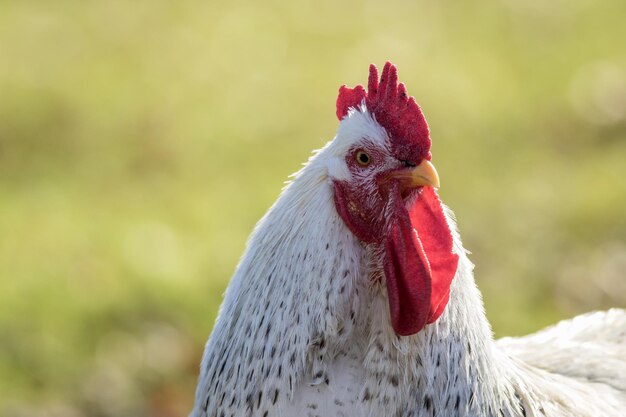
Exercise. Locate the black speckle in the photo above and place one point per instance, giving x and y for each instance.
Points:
(312, 406)
(265, 413)
(428, 402)
(338, 402)
(469, 348)
(275, 397)
(222, 367)
(457, 402)
(367, 395)
(394, 380)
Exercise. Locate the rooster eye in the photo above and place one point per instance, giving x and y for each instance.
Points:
(363, 158)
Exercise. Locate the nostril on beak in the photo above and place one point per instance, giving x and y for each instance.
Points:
(408, 163)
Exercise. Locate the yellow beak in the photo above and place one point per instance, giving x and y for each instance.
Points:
(425, 174)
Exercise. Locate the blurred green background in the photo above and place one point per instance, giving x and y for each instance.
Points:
(140, 142)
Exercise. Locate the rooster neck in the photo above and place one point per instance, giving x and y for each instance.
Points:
(304, 329)
(306, 302)
(290, 300)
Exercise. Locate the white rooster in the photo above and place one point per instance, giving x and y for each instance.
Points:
(356, 298)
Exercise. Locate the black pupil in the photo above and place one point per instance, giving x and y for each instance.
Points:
(364, 158)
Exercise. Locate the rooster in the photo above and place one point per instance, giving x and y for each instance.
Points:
(355, 297)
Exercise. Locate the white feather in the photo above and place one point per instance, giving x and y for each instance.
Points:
(302, 330)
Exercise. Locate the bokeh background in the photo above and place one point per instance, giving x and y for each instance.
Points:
(140, 142)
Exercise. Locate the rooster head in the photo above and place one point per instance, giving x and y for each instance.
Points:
(384, 190)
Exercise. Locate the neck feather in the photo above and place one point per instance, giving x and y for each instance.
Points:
(298, 300)
(295, 288)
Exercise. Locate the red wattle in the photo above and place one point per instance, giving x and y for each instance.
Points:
(419, 263)
(408, 279)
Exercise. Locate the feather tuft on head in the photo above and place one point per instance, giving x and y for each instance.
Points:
(393, 109)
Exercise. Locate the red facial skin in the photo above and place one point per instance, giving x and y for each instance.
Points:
(416, 243)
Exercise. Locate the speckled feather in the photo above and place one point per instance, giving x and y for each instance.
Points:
(304, 329)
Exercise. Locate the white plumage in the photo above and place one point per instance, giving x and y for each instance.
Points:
(304, 330)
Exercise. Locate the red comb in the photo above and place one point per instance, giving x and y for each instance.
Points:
(393, 109)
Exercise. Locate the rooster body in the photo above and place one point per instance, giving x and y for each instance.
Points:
(308, 326)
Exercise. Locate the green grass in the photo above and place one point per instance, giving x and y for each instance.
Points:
(140, 142)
